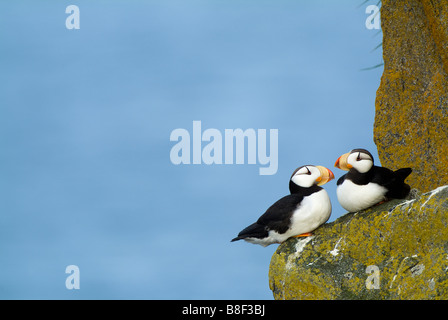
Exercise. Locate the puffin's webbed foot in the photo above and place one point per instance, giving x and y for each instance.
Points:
(381, 202)
(307, 234)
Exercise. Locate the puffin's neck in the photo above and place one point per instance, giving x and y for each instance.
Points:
(360, 178)
(293, 188)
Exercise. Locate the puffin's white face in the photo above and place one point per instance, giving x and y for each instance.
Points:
(308, 176)
(359, 159)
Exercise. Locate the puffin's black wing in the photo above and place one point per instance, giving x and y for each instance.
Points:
(382, 176)
(393, 181)
(277, 217)
(399, 189)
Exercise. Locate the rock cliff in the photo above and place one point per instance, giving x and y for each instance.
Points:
(396, 250)
(411, 119)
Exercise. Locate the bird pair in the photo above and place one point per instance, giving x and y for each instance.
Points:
(308, 206)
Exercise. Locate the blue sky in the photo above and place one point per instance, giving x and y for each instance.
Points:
(85, 123)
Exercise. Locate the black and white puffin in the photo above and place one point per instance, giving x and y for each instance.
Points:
(295, 215)
(365, 184)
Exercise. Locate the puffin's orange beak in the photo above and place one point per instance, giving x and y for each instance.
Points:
(325, 175)
(342, 164)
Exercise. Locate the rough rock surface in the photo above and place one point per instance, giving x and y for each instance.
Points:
(411, 120)
(397, 250)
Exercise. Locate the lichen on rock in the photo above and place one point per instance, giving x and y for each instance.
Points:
(396, 250)
(411, 118)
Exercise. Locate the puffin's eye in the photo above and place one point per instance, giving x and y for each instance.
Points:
(302, 171)
(359, 157)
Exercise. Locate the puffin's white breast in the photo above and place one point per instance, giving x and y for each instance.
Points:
(354, 197)
(313, 211)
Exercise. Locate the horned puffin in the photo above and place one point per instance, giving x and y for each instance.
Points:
(366, 184)
(295, 215)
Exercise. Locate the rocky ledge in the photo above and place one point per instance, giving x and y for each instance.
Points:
(396, 250)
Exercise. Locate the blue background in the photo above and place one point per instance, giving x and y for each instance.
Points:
(85, 121)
